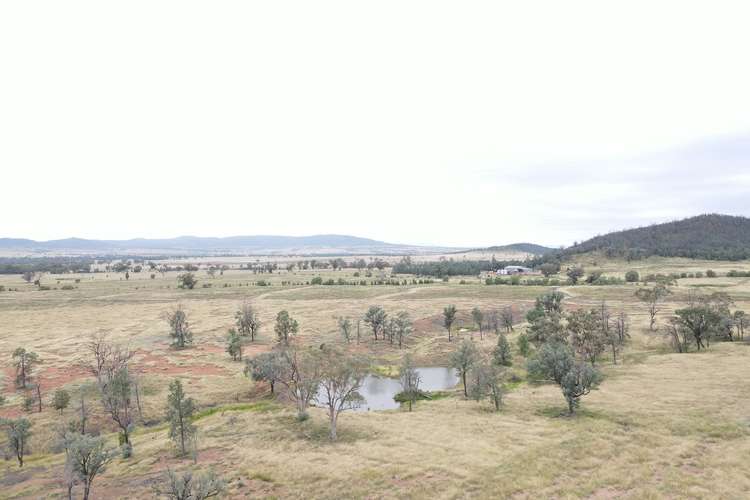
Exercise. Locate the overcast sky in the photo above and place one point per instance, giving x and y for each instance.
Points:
(451, 123)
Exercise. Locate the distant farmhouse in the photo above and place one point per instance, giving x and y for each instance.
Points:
(509, 271)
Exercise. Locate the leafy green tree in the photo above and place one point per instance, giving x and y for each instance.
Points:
(410, 379)
(24, 361)
(345, 327)
(18, 433)
(285, 327)
(703, 318)
(478, 316)
(234, 344)
(550, 302)
(246, 320)
(485, 383)
(555, 361)
(376, 318)
(586, 334)
(300, 376)
(60, 400)
(180, 409)
(403, 327)
(341, 378)
(574, 274)
(87, 457)
(740, 321)
(463, 358)
(501, 354)
(449, 316)
(266, 367)
(186, 280)
(523, 345)
(549, 268)
(116, 390)
(179, 327)
(186, 486)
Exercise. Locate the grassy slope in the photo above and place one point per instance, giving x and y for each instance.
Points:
(660, 425)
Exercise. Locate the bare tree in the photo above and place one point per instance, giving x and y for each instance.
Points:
(507, 318)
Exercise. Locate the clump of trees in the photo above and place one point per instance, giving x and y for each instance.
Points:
(187, 486)
(706, 317)
(569, 344)
(395, 329)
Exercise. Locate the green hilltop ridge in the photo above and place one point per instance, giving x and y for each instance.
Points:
(708, 236)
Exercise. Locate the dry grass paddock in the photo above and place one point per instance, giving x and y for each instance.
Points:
(661, 425)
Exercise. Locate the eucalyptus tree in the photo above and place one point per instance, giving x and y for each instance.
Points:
(409, 379)
(463, 358)
(285, 327)
(180, 409)
(449, 317)
(246, 320)
(376, 318)
(179, 327)
(340, 379)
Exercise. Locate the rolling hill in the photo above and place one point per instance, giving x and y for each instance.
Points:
(708, 236)
(243, 245)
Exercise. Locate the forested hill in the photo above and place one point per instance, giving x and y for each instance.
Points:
(531, 248)
(710, 236)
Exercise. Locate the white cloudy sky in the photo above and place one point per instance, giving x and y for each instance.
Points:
(426, 122)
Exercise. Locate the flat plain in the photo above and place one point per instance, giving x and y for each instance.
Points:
(660, 425)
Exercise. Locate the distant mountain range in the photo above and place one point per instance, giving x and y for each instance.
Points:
(709, 236)
(321, 244)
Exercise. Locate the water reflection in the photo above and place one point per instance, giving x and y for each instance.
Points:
(379, 391)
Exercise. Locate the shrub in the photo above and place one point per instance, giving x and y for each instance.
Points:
(632, 277)
(710, 273)
(317, 280)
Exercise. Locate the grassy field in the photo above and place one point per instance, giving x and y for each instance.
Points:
(661, 425)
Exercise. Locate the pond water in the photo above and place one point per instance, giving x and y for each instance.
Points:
(379, 391)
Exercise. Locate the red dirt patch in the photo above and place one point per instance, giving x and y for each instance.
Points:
(155, 363)
(52, 378)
